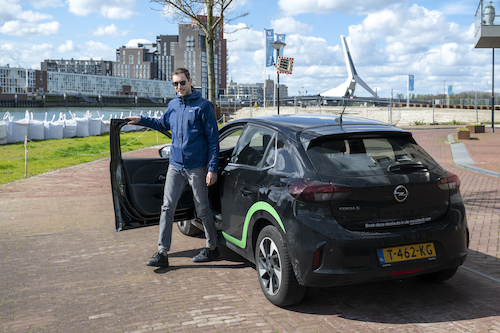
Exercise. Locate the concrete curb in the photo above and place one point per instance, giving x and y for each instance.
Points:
(462, 158)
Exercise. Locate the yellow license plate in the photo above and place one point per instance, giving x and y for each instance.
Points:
(405, 253)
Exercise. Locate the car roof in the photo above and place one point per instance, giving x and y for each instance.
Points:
(310, 126)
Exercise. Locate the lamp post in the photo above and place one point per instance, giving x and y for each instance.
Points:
(493, 92)
(278, 45)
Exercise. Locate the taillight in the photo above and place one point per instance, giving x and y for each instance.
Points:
(449, 181)
(317, 258)
(312, 190)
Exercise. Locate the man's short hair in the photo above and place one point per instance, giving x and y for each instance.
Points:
(182, 71)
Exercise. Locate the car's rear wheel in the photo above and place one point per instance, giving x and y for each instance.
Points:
(274, 269)
(187, 228)
(440, 276)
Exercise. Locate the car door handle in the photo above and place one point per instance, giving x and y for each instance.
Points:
(245, 192)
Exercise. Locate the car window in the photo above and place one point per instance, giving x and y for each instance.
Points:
(365, 156)
(253, 145)
(230, 141)
(270, 154)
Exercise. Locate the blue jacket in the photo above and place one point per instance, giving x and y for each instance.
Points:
(195, 135)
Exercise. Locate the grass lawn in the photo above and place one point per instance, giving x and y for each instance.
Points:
(50, 155)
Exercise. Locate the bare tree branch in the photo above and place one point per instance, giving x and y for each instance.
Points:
(217, 12)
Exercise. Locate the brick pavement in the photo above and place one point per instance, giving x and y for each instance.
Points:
(64, 269)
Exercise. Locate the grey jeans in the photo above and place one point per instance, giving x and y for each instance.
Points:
(174, 184)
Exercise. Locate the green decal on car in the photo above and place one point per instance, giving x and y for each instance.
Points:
(261, 205)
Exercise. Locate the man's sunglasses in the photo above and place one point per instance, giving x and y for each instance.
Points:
(182, 83)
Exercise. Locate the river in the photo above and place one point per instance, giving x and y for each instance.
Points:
(105, 112)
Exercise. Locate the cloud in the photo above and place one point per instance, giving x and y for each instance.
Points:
(134, 42)
(296, 7)
(96, 50)
(244, 39)
(25, 23)
(68, 47)
(20, 28)
(30, 56)
(30, 16)
(288, 25)
(110, 30)
(112, 9)
(45, 3)
(389, 43)
(385, 48)
(10, 10)
(314, 58)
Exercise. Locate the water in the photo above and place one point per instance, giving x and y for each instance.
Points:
(105, 113)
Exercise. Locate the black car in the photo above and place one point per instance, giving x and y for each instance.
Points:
(314, 201)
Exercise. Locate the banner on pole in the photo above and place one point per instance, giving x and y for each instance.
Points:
(269, 48)
(449, 90)
(411, 81)
(281, 38)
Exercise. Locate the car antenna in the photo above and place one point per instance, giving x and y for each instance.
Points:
(339, 119)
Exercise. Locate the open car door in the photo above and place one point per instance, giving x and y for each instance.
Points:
(137, 186)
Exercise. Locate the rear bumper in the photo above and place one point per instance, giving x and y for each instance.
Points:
(348, 257)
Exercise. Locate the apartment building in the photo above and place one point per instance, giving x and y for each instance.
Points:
(255, 91)
(188, 50)
(19, 83)
(91, 67)
(135, 63)
(16, 82)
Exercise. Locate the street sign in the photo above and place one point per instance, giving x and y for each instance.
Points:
(285, 65)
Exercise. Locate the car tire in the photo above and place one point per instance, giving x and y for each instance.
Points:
(274, 269)
(188, 228)
(440, 276)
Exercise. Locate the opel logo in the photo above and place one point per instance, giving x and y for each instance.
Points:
(400, 193)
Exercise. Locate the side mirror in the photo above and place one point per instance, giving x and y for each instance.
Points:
(164, 152)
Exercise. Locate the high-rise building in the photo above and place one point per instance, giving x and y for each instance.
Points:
(164, 56)
(220, 55)
(186, 50)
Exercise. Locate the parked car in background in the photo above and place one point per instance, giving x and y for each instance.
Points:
(314, 201)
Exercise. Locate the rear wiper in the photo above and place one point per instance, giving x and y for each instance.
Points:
(406, 166)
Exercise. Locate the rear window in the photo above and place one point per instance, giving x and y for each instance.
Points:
(365, 156)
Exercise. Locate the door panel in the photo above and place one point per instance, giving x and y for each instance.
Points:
(146, 180)
(137, 186)
(242, 179)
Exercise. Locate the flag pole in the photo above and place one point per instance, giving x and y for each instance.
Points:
(265, 65)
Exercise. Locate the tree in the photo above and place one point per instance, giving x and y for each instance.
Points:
(197, 11)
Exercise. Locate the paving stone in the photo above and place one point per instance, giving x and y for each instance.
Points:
(64, 268)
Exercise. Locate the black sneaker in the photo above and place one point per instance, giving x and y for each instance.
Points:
(206, 255)
(159, 259)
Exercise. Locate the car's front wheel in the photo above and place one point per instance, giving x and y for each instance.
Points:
(187, 228)
(274, 269)
(440, 276)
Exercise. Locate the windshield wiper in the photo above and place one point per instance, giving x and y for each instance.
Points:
(407, 166)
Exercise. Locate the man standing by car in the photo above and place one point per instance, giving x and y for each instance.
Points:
(193, 160)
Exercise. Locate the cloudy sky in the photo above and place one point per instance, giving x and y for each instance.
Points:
(388, 39)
